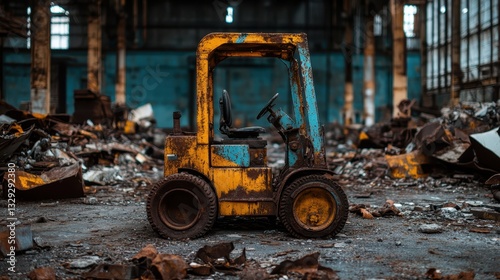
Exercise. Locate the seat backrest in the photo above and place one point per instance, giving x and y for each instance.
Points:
(226, 120)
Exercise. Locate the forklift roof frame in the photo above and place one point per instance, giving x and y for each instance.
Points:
(215, 47)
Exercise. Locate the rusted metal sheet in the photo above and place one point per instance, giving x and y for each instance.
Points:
(91, 105)
(15, 238)
(59, 182)
(10, 142)
(485, 213)
(152, 265)
(407, 165)
(486, 147)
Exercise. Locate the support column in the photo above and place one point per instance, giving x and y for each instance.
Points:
(1, 69)
(369, 73)
(423, 47)
(40, 56)
(120, 97)
(456, 72)
(400, 80)
(94, 55)
(348, 56)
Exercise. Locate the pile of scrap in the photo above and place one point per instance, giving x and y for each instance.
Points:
(148, 263)
(51, 158)
(465, 137)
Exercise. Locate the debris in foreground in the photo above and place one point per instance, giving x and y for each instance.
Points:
(308, 266)
(148, 263)
(42, 273)
(435, 274)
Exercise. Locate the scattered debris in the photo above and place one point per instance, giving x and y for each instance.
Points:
(23, 239)
(43, 273)
(12, 136)
(210, 254)
(58, 182)
(307, 266)
(93, 106)
(388, 209)
(112, 271)
(485, 213)
(159, 266)
(435, 274)
(430, 228)
(83, 262)
(494, 182)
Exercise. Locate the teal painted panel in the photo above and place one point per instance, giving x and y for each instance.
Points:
(166, 79)
(238, 154)
(413, 61)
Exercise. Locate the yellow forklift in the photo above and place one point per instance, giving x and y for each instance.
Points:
(207, 177)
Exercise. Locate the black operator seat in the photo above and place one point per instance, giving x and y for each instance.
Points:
(226, 121)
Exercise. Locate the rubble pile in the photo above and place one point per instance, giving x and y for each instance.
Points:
(464, 139)
(56, 159)
(209, 260)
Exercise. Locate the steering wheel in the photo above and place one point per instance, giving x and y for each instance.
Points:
(268, 106)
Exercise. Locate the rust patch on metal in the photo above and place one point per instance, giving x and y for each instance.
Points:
(59, 182)
(242, 194)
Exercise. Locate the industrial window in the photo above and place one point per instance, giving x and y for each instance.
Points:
(229, 15)
(59, 28)
(409, 20)
(377, 25)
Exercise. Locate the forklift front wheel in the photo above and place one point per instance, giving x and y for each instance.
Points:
(313, 206)
(182, 206)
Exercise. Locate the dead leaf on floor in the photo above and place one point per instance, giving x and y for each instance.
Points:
(366, 214)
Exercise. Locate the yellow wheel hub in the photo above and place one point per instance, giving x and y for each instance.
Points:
(314, 209)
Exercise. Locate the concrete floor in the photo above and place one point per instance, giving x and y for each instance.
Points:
(114, 228)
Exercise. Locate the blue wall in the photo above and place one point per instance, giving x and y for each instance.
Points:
(166, 80)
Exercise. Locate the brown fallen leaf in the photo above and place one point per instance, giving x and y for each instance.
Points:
(366, 214)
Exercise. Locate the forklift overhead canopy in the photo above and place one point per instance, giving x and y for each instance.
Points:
(218, 46)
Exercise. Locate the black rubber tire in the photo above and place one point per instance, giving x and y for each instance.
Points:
(181, 206)
(303, 187)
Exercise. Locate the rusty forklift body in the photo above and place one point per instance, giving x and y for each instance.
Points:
(207, 178)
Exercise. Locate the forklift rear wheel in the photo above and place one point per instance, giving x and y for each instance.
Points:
(182, 206)
(313, 206)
